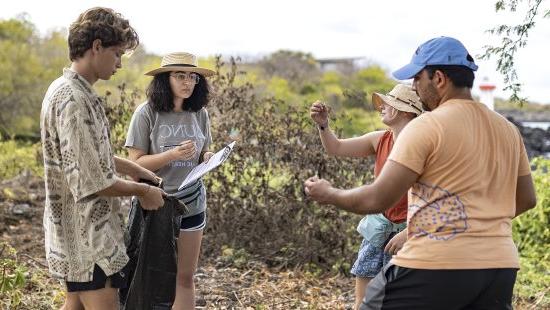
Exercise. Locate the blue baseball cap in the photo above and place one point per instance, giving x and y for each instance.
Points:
(437, 51)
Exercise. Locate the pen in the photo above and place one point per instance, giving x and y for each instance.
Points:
(170, 145)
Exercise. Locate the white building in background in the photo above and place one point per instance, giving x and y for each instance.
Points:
(486, 96)
(345, 65)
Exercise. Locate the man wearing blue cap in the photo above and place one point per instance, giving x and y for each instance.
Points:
(469, 176)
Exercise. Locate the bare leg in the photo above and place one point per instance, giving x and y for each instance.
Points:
(360, 287)
(189, 245)
(72, 302)
(102, 299)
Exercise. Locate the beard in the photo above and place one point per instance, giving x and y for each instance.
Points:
(425, 107)
(430, 98)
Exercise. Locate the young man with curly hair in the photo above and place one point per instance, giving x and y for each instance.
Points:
(83, 221)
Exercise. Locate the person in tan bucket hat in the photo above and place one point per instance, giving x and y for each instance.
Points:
(170, 134)
(383, 234)
(180, 62)
(401, 97)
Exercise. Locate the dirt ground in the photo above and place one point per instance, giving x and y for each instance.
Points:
(220, 285)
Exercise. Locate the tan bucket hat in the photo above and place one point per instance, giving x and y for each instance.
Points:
(180, 61)
(402, 97)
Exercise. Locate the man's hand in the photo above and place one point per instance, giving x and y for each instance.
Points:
(152, 198)
(206, 156)
(319, 190)
(396, 243)
(319, 113)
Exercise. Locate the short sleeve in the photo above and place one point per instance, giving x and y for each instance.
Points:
(415, 144)
(206, 130)
(139, 130)
(524, 168)
(85, 152)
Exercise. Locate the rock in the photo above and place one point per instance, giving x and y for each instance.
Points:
(536, 140)
(22, 209)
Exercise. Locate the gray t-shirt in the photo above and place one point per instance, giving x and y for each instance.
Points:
(152, 131)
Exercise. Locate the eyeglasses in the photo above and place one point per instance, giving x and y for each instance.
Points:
(186, 77)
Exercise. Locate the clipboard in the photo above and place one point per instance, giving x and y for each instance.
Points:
(203, 168)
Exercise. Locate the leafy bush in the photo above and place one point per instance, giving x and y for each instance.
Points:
(12, 277)
(532, 235)
(255, 199)
(119, 112)
(17, 156)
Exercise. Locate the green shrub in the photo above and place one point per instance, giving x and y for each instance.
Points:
(12, 277)
(119, 109)
(18, 156)
(255, 199)
(532, 235)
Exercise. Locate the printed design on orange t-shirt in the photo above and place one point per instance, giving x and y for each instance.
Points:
(441, 215)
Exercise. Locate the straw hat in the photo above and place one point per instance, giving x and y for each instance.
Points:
(180, 61)
(401, 97)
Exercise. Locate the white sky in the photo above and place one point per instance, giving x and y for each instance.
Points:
(386, 32)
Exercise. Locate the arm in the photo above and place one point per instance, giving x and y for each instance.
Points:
(185, 151)
(151, 162)
(150, 197)
(354, 147)
(135, 171)
(125, 166)
(392, 183)
(525, 191)
(363, 146)
(525, 194)
(86, 161)
(124, 188)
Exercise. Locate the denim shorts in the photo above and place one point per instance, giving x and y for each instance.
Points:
(370, 259)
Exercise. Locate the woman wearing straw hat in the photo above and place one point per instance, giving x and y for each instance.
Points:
(170, 134)
(383, 233)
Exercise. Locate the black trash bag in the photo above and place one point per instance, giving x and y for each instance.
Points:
(151, 247)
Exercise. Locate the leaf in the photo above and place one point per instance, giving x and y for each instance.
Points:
(9, 193)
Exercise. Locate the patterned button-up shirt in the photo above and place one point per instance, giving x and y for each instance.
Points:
(81, 228)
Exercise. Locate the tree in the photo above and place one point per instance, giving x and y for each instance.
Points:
(513, 37)
(365, 82)
(27, 61)
(298, 68)
(30, 62)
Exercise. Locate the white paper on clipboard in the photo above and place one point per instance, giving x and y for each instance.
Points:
(203, 168)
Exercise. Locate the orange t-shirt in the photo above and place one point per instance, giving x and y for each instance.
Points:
(460, 209)
(397, 213)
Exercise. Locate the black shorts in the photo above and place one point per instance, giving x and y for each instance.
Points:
(411, 289)
(99, 281)
(194, 222)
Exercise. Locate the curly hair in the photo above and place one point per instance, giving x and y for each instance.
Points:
(100, 23)
(161, 97)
